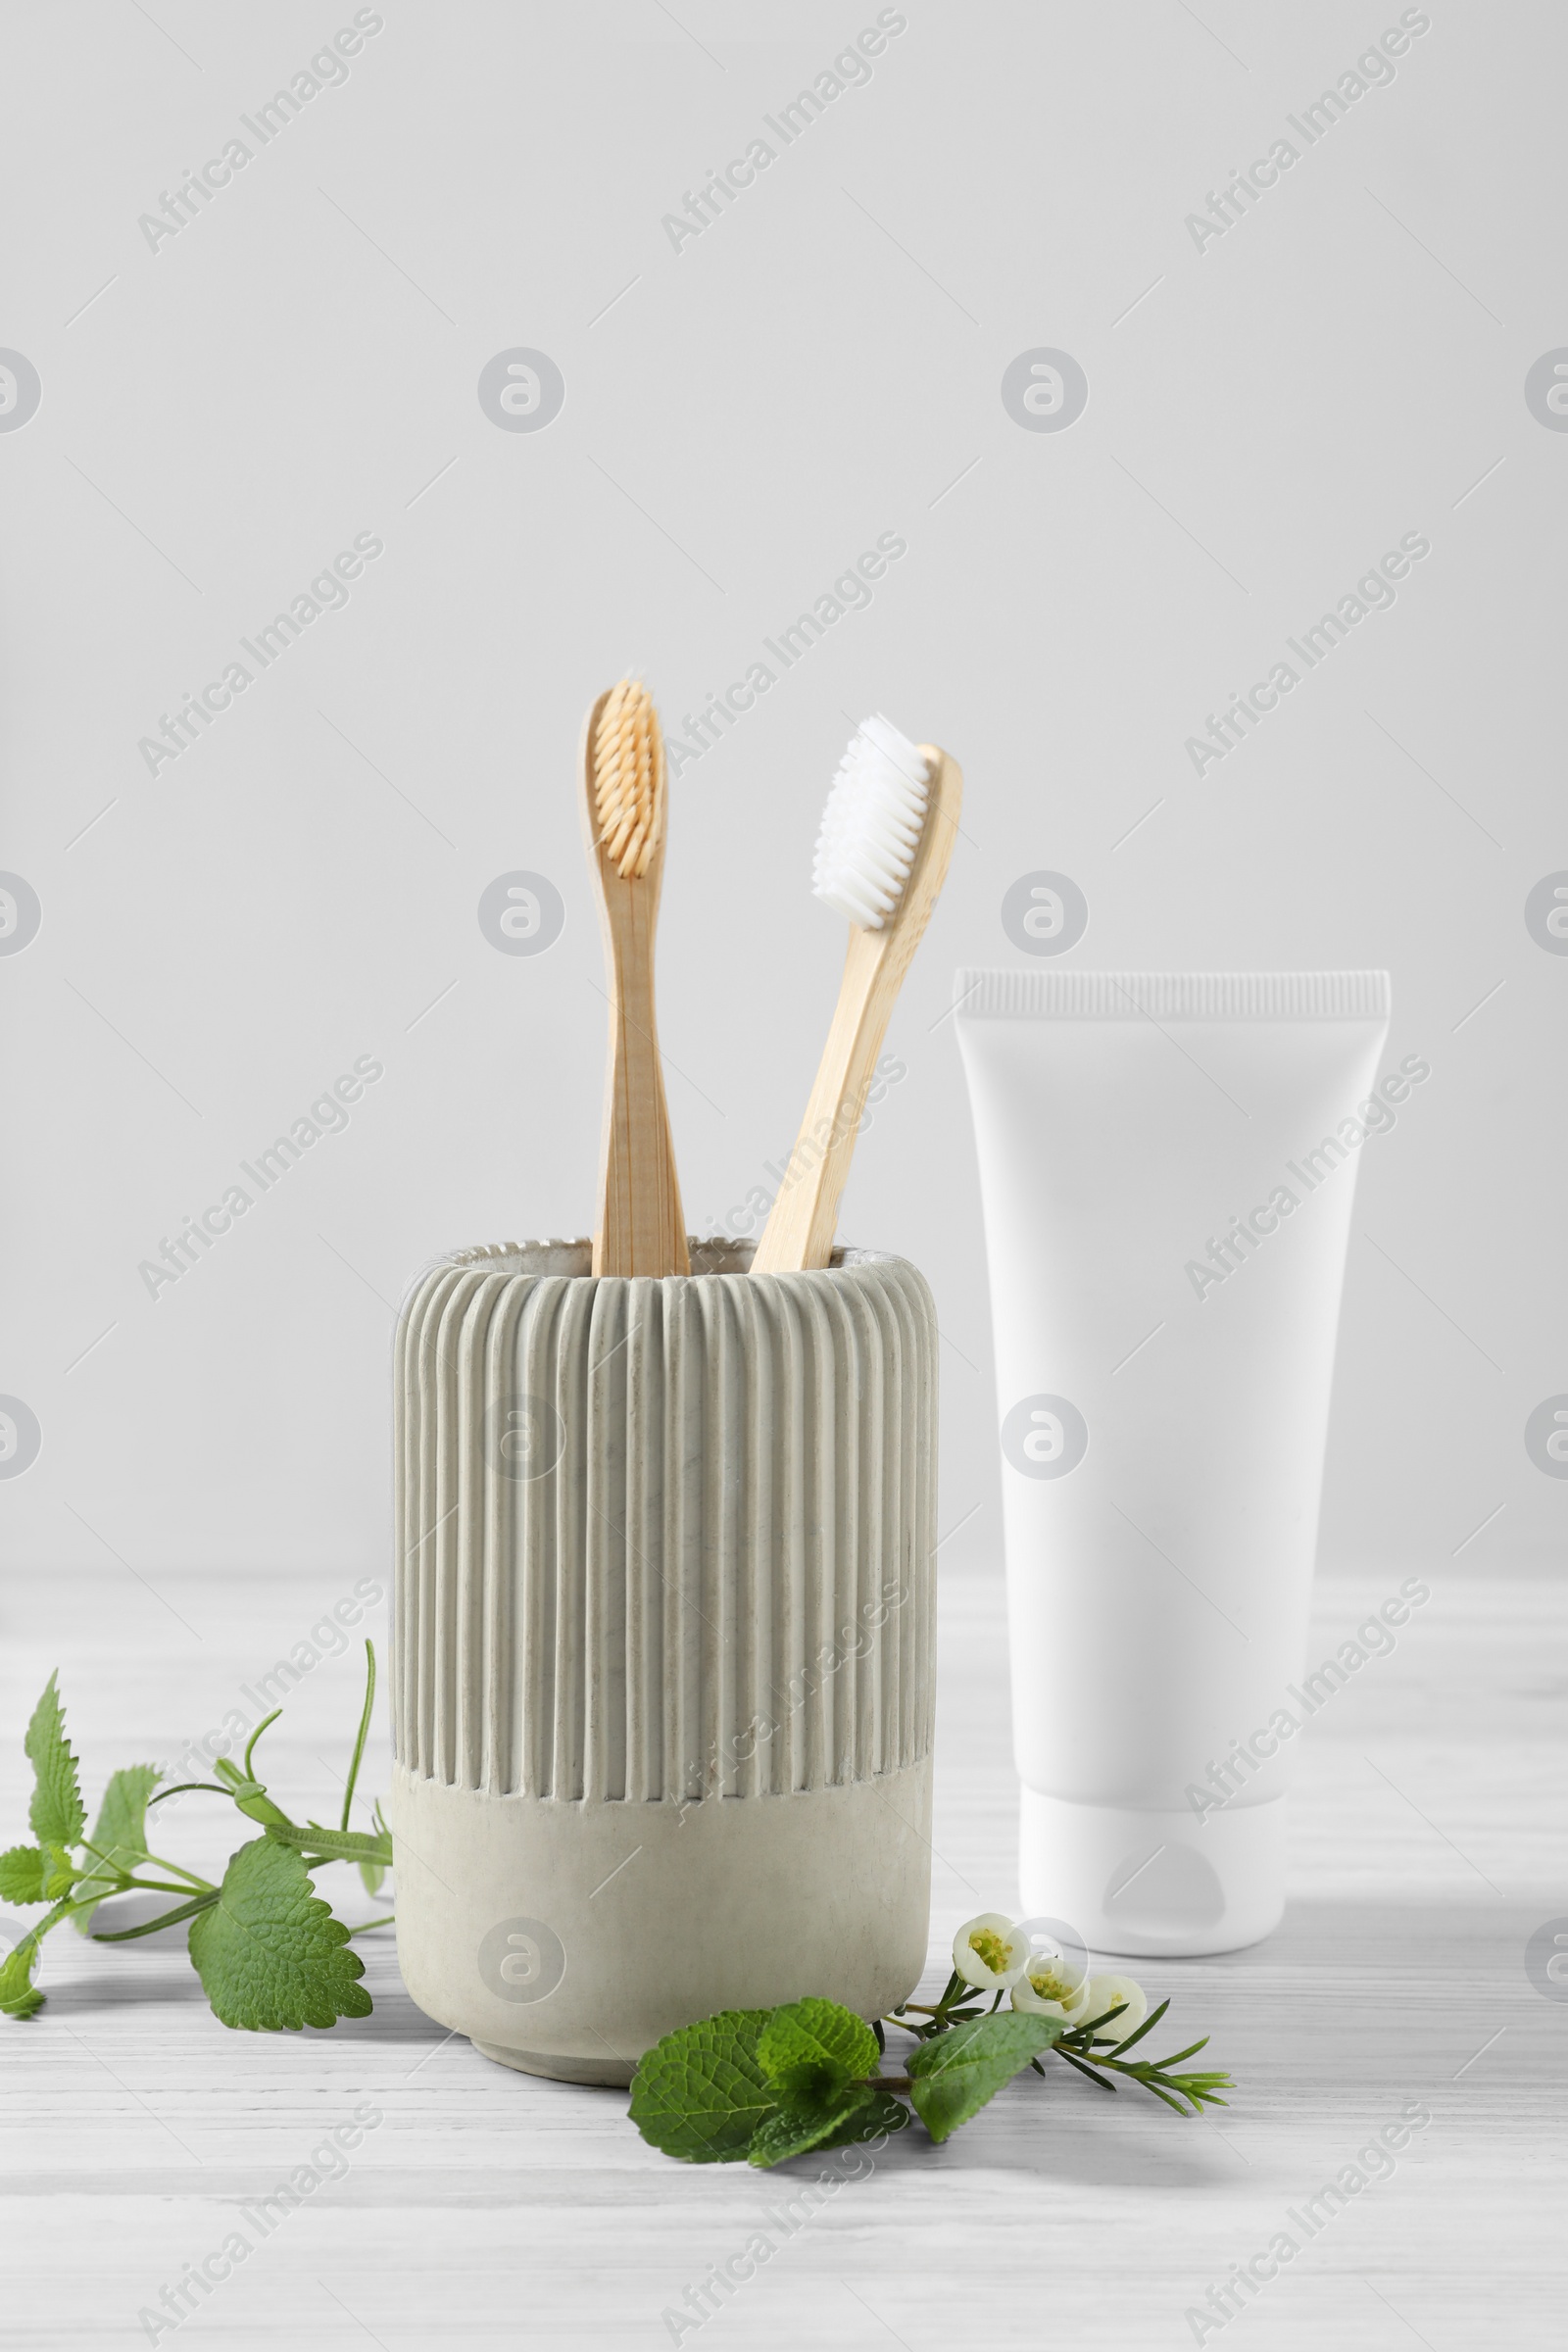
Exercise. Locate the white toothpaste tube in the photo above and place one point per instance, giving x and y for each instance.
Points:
(1167, 1166)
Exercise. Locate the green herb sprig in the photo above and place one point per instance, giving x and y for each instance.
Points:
(760, 2085)
(767, 2084)
(270, 1953)
(1087, 2047)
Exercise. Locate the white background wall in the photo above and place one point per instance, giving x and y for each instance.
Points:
(1266, 416)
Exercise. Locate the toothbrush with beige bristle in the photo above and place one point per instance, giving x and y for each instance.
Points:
(881, 858)
(639, 1228)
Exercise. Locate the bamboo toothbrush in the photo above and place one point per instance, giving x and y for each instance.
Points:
(881, 858)
(639, 1228)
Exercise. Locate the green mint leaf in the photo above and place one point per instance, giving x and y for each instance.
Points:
(57, 1813)
(878, 2111)
(19, 1998)
(371, 1873)
(850, 2113)
(810, 2047)
(22, 1876)
(17, 1995)
(701, 2093)
(952, 2078)
(268, 1952)
(119, 1833)
(62, 1874)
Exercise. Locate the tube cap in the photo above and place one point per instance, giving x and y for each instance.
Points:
(1160, 1884)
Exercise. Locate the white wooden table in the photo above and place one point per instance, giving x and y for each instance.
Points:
(488, 2208)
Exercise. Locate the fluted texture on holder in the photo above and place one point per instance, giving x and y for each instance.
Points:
(664, 1538)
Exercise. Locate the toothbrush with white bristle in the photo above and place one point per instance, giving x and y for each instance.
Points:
(881, 858)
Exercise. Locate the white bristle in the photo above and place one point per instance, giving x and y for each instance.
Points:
(871, 825)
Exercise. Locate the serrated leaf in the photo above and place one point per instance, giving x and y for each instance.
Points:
(57, 1813)
(852, 2113)
(701, 2092)
(22, 1876)
(800, 2122)
(952, 2078)
(61, 1873)
(810, 2047)
(270, 1954)
(878, 2111)
(119, 1833)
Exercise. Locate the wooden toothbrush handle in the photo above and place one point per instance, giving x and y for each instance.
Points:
(801, 1224)
(803, 1218)
(640, 1227)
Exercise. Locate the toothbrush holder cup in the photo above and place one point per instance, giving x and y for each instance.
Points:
(661, 1676)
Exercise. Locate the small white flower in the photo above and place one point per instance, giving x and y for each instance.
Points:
(1052, 1985)
(989, 1953)
(1053, 1974)
(1104, 1992)
(1024, 1996)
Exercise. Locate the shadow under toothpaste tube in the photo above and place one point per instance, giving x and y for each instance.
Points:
(1164, 1356)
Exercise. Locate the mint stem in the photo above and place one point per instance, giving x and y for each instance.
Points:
(202, 1886)
(364, 1732)
(255, 1735)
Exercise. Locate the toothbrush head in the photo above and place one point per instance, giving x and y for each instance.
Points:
(871, 826)
(629, 772)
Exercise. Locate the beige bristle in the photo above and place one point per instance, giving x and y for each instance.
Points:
(629, 778)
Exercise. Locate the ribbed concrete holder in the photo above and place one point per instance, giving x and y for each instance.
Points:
(662, 1644)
